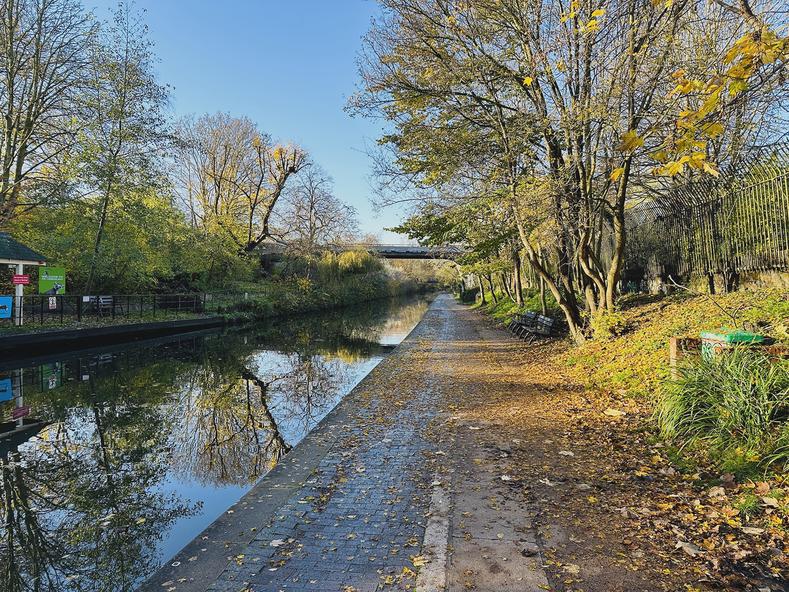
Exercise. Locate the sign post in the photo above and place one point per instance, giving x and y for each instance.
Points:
(19, 293)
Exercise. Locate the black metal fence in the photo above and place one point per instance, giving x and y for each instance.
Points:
(734, 224)
(67, 309)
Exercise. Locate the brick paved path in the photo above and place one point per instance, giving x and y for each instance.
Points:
(347, 510)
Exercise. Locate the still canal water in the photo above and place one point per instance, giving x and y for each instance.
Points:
(113, 461)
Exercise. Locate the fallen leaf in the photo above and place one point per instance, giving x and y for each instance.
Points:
(689, 548)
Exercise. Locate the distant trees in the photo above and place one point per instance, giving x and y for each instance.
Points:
(95, 175)
(312, 217)
(231, 176)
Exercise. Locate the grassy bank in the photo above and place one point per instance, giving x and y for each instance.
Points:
(629, 352)
(505, 309)
(276, 298)
(635, 359)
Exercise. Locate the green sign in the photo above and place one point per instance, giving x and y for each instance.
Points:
(51, 376)
(51, 280)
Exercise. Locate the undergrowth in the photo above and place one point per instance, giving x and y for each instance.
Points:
(296, 295)
(635, 362)
(734, 405)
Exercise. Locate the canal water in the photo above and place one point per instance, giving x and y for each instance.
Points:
(113, 460)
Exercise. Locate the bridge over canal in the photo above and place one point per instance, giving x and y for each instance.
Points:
(384, 251)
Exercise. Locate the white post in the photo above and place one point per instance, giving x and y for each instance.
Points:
(19, 399)
(19, 292)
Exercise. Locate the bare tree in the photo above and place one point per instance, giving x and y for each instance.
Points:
(44, 67)
(311, 216)
(231, 175)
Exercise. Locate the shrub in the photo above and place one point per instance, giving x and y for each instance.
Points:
(736, 404)
(358, 262)
(606, 325)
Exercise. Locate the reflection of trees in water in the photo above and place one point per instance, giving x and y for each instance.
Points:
(399, 321)
(307, 392)
(80, 510)
(230, 420)
(226, 432)
(81, 506)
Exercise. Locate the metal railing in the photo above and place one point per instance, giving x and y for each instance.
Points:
(737, 223)
(69, 309)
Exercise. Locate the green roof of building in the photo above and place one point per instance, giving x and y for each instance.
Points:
(12, 250)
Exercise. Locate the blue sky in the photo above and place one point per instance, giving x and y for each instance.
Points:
(289, 65)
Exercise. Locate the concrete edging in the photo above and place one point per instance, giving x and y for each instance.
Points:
(22, 345)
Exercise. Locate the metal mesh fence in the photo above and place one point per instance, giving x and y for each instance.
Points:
(71, 309)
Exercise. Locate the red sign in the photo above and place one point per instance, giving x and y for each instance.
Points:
(22, 280)
(20, 412)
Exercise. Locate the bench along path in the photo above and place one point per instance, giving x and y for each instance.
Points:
(390, 492)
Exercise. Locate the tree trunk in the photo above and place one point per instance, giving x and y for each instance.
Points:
(481, 290)
(492, 289)
(518, 280)
(506, 285)
(99, 235)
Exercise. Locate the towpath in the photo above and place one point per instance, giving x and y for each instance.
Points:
(395, 490)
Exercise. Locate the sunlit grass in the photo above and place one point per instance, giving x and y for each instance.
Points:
(735, 405)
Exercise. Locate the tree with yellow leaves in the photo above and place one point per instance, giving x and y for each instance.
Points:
(569, 109)
(230, 176)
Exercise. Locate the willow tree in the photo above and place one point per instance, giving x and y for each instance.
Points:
(559, 108)
(231, 175)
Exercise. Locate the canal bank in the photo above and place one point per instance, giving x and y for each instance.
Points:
(391, 491)
(27, 344)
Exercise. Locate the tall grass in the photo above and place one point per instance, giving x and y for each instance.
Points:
(734, 404)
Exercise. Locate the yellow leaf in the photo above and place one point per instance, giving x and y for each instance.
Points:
(630, 141)
(737, 86)
(708, 168)
(671, 168)
(660, 155)
(599, 12)
(616, 173)
(711, 103)
(592, 25)
(712, 130)
(527, 80)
